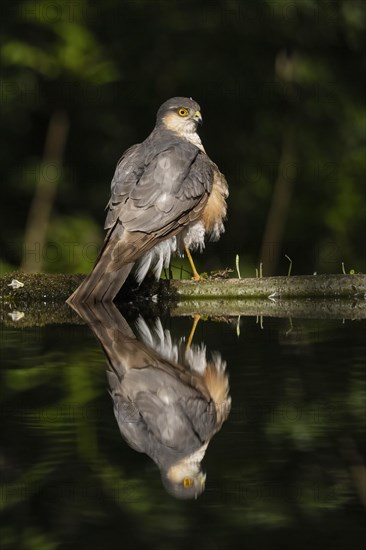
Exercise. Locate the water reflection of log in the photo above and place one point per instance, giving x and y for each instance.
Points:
(41, 314)
(315, 308)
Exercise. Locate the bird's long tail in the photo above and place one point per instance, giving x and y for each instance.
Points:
(104, 282)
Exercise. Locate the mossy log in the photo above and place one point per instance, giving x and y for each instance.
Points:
(304, 286)
(57, 287)
(42, 297)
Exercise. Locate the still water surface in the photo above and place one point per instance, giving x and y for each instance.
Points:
(273, 416)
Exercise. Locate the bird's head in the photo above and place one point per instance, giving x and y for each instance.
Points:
(185, 480)
(180, 115)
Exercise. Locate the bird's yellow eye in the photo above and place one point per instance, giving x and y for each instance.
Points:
(182, 112)
(187, 482)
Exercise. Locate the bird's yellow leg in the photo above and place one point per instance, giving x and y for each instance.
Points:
(196, 318)
(195, 276)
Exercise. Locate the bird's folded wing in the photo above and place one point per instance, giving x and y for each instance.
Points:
(158, 196)
(153, 202)
(129, 170)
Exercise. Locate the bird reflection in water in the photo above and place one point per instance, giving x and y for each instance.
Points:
(169, 399)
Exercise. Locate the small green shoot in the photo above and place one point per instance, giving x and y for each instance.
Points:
(237, 266)
(238, 325)
(290, 266)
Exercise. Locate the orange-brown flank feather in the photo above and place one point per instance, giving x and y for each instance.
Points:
(215, 210)
(217, 384)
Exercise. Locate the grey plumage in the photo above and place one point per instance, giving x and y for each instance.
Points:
(159, 193)
(168, 403)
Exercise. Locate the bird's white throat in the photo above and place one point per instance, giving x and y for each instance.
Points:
(194, 138)
(187, 129)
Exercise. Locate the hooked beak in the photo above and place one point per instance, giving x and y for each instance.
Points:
(201, 480)
(198, 117)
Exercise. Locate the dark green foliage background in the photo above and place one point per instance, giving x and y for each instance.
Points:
(258, 68)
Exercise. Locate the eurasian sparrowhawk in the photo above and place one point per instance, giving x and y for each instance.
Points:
(167, 195)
